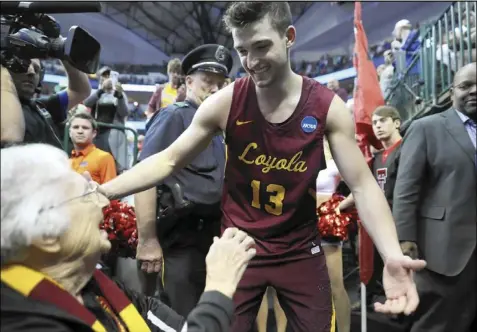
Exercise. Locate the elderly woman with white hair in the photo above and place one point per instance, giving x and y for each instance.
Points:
(51, 244)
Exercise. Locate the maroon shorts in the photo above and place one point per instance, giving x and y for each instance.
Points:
(303, 290)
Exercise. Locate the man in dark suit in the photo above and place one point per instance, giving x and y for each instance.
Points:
(435, 208)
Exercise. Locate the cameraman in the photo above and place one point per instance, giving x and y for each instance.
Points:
(43, 116)
(109, 104)
(187, 204)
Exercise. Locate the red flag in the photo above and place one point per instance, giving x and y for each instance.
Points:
(367, 97)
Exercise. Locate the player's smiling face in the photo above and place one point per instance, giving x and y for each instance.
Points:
(263, 51)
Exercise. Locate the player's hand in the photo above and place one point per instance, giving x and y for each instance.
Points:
(399, 286)
(87, 176)
(227, 260)
(149, 254)
(410, 249)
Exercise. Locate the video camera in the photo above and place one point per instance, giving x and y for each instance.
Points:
(28, 33)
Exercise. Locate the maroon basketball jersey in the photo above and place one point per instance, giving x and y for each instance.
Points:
(270, 169)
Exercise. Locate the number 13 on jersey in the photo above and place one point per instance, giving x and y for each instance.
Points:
(274, 203)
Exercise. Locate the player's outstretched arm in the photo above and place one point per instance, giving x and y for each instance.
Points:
(399, 286)
(209, 119)
(370, 201)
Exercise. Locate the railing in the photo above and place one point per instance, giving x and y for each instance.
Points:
(110, 126)
(445, 46)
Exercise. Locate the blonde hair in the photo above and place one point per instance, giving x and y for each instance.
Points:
(174, 66)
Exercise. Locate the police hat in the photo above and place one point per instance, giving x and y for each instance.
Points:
(212, 58)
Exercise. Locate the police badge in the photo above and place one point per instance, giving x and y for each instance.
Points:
(220, 54)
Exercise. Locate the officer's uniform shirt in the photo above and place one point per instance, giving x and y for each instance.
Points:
(42, 124)
(202, 179)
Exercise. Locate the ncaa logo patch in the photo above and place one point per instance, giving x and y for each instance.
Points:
(309, 124)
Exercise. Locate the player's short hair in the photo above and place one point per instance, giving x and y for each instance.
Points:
(174, 66)
(243, 13)
(85, 116)
(387, 111)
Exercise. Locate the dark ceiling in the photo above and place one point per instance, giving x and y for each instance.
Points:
(175, 27)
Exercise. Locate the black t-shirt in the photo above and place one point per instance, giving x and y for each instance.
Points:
(43, 125)
(385, 170)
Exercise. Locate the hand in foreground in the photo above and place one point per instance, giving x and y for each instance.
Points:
(149, 253)
(227, 260)
(92, 185)
(399, 286)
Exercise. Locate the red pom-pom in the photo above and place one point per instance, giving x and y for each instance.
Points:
(332, 224)
(120, 224)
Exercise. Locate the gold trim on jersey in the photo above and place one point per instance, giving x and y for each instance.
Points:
(270, 162)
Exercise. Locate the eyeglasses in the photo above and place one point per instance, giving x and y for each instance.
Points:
(91, 195)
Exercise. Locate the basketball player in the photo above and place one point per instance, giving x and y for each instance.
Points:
(274, 122)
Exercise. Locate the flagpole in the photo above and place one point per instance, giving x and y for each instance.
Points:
(364, 321)
(367, 96)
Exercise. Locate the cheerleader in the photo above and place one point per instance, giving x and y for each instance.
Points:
(333, 226)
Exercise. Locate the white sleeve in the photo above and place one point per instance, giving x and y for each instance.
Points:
(328, 179)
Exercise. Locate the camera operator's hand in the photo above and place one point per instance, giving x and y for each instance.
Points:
(227, 260)
(119, 88)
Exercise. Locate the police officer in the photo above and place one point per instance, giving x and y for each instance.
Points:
(187, 207)
(44, 116)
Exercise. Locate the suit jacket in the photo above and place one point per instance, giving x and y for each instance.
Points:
(435, 197)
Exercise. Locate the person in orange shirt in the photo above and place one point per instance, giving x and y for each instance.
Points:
(86, 156)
